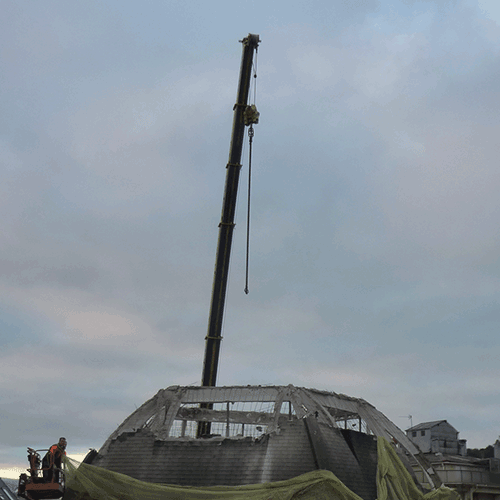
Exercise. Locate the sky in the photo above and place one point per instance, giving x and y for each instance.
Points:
(375, 243)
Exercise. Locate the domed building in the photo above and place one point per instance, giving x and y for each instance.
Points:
(257, 434)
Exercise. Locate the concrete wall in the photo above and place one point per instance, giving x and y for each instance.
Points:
(444, 431)
(210, 462)
(299, 447)
(422, 439)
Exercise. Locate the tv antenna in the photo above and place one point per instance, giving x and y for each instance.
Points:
(409, 417)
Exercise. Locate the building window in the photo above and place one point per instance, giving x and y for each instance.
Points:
(422, 433)
(414, 434)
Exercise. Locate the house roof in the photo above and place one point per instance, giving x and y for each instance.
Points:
(426, 425)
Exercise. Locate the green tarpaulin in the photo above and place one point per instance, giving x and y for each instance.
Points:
(86, 482)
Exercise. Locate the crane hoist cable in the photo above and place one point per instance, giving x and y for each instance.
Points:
(251, 116)
(250, 141)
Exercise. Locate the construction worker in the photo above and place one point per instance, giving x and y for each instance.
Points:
(53, 459)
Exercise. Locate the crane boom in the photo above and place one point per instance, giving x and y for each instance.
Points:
(226, 226)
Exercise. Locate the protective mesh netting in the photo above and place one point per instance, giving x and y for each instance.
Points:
(395, 483)
(87, 482)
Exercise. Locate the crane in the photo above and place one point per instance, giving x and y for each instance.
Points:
(242, 116)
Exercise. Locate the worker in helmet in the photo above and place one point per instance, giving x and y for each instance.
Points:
(52, 461)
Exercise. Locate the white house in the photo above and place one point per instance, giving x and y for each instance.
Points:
(437, 437)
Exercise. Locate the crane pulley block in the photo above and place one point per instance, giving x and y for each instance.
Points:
(251, 115)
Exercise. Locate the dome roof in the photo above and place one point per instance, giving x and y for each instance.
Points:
(257, 434)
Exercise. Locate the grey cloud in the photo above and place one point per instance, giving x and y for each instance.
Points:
(373, 251)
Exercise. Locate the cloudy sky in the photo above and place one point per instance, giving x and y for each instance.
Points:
(374, 234)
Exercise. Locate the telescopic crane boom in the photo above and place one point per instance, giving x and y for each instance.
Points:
(226, 226)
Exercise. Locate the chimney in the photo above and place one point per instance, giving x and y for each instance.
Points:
(462, 447)
(496, 448)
